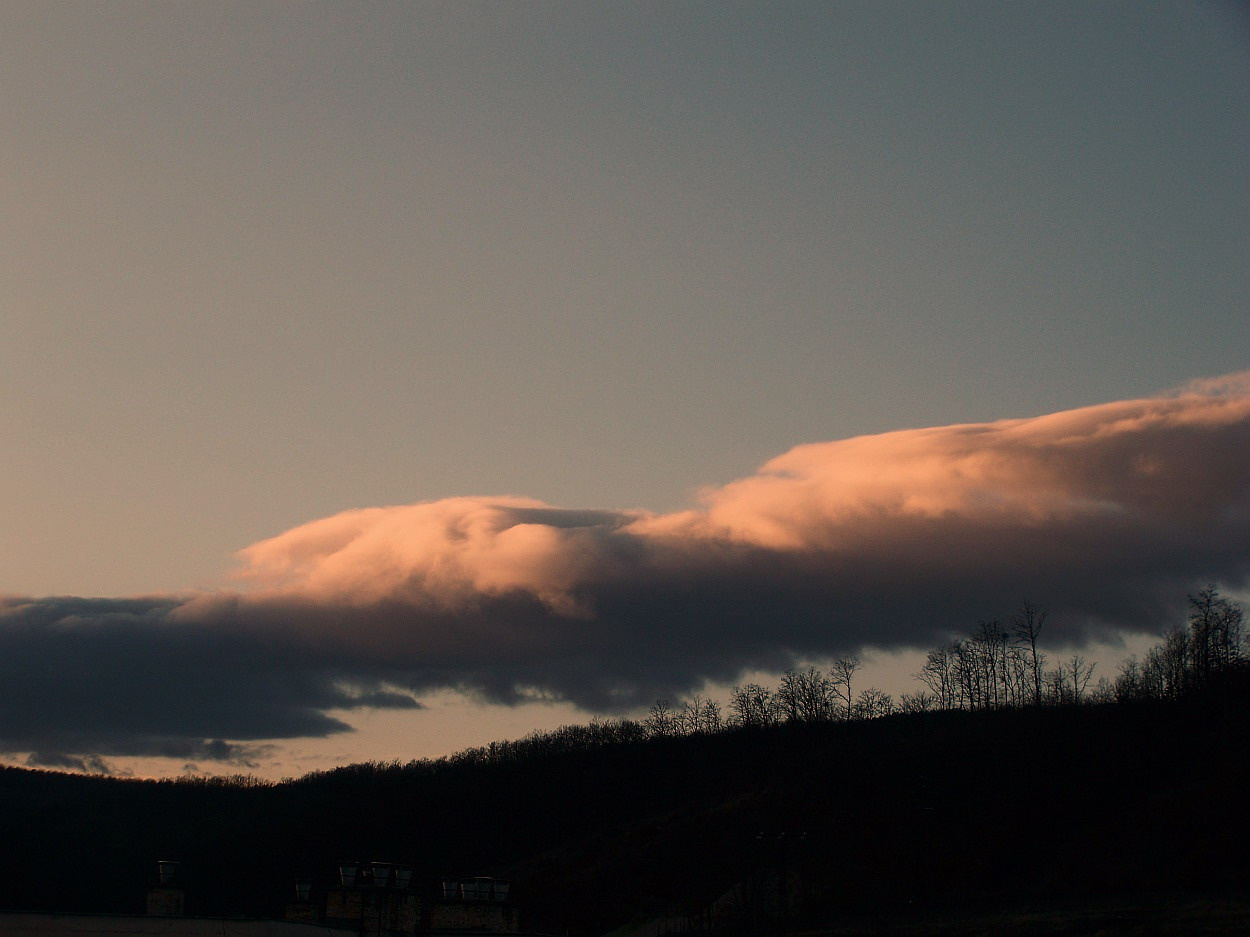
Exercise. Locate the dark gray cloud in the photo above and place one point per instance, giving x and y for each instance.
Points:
(121, 677)
(1109, 515)
(87, 764)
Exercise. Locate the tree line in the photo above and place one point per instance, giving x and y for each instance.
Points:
(998, 666)
(1205, 654)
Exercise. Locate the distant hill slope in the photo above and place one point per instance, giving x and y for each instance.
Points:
(805, 824)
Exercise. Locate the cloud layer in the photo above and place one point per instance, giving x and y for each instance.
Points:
(1107, 514)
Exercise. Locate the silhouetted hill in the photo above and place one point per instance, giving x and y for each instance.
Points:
(596, 829)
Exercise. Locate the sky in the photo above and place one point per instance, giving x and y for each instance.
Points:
(381, 379)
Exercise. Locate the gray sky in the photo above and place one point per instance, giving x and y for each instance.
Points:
(267, 262)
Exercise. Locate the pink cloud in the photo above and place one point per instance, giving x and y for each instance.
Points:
(1149, 458)
(1168, 463)
(1108, 515)
(444, 555)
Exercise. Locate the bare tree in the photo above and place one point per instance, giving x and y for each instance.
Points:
(1215, 634)
(1075, 674)
(1055, 687)
(873, 703)
(1130, 684)
(708, 716)
(970, 675)
(699, 714)
(921, 702)
(984, 671)
(1103, 692)
(1175, 664)
(1154, 674)
(842, 674)
(1188, 658)
(938, 674)
(1027, 626)
(989, 654)
(807, 696)
(661, 721)
(1231, 631)
(754, 705)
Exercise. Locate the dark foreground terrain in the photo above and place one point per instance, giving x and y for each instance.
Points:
(1116, 819)
(1175, 916)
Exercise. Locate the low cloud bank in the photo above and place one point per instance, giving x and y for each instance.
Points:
(1109, 515)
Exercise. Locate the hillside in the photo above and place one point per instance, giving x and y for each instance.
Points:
(926, 814)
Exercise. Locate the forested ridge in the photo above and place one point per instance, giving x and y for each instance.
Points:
(986, 799)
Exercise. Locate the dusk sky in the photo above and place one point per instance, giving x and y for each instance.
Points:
(379, 379)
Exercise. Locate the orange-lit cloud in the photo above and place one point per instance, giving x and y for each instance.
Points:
(1108, 515)
(939, 496)
(442, 555)
(1158, 458)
